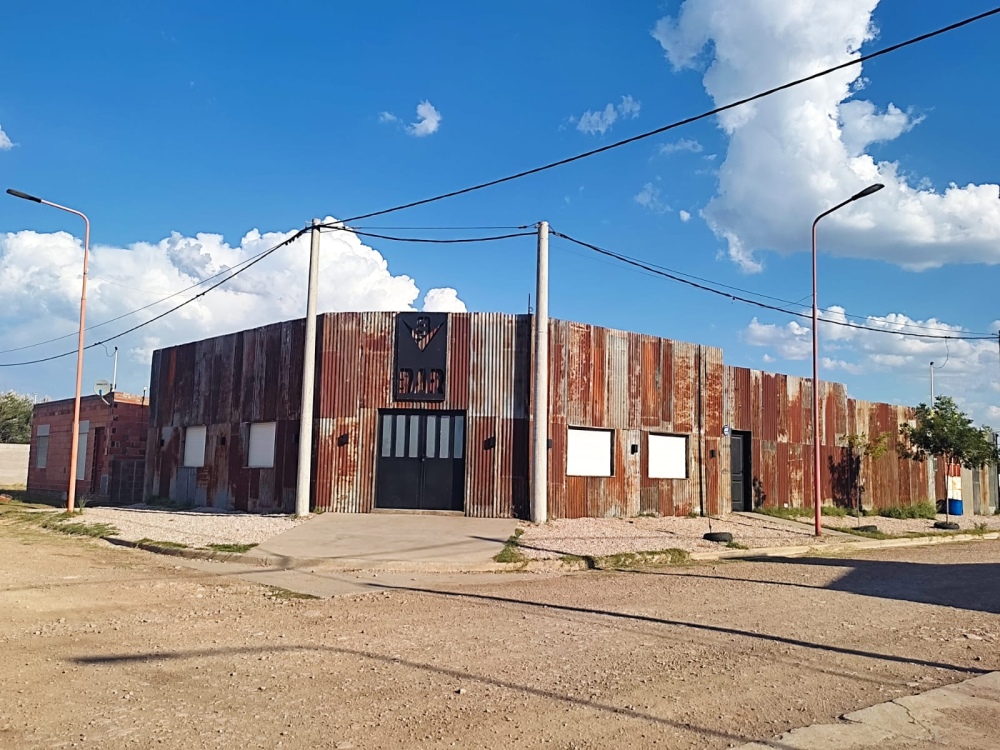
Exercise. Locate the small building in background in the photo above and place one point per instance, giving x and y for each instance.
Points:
(111, 458)
(432, 411)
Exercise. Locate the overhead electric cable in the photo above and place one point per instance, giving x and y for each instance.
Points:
(736, 298)
(234, 274)
(679, 123)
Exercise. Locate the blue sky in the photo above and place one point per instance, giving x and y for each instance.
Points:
(191, 120)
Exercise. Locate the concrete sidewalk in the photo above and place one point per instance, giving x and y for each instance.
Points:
(965, 715)
(390, 541)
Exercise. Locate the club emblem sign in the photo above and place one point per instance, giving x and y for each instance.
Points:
(421, 356)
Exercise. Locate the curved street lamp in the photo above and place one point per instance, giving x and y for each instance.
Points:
(75, 436)
(817, 484)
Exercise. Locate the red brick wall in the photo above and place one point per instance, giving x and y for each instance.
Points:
(117, 431)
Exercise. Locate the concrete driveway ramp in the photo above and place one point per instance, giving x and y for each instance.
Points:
(402, 541)
(964, 716)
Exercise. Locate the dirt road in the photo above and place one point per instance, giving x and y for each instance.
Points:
(111, 648)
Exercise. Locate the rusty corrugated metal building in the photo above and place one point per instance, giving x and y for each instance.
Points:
(433, 411)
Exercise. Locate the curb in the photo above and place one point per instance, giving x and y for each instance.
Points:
(347, 565)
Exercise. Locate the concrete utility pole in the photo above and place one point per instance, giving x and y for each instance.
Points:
(540, 386)
(74, 440)
(932, 385)
(304, 479)
(114, 373)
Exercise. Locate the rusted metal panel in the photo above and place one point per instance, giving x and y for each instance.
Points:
(685, 385)
(650, 373)
(631, 383)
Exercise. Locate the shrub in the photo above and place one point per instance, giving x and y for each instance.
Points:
(917, 510)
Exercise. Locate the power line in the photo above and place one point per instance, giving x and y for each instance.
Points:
(679, 123)
(786, 302)
(246, 263)
(259, 257)
(736, 298)
(251, 259)
(430, 240)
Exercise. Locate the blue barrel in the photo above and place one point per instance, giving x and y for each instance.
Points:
(955, 507)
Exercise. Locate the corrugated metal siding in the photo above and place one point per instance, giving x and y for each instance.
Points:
(635, 385)
(225, 384)
(488, 377)
(631, 383)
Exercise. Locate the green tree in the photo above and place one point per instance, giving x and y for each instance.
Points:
(859, 447)
(15, 418)
(946, 433)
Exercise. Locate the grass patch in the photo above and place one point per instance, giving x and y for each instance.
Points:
(164, 544)
(168, 504)
(793, 514)
(919, 510)
(511, 552)
(865, 534)
(30, 515)
(96, 530)
(21, 495)
(232, 547)
(276, 592)
(733, 544)
(640, 559)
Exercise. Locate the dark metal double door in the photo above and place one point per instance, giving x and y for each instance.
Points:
(421, 464)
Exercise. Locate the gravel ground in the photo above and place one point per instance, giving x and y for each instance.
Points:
(911, 525)
(197, 527)
(608, 536)
(115, 649)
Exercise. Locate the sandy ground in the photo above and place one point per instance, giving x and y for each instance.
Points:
(196, 527)
(110, 648)
(915, 525)
(607, 536)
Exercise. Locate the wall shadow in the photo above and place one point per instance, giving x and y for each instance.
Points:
(970, 586)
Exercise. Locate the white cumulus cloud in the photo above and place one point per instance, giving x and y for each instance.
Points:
(40, 286)
(685, 215)
(5, 142)
(428, 120)
(649, 198)
(684, 144)
(969, 370)
(443, 300)
(427, 123)
(601, 121)
(794, 154)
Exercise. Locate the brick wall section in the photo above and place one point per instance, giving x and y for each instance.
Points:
(117, 432)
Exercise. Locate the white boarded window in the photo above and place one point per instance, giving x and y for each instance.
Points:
(261, 453)
(589, 453)
(42, 446)
(81, 454)
(668, 457)
(194, 446)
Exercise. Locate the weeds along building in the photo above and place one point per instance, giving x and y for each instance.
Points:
(432, 411)
(112, 448)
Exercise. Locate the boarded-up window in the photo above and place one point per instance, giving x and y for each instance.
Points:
(668, 457)
(194, 446)
(81, 456)
(42, 446)
(589, 453)
(261, 453)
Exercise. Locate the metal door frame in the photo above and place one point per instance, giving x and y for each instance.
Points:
(456, 444)
(746, 439)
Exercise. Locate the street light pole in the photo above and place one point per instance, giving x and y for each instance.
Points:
(817, 484)
(75, 436)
